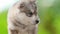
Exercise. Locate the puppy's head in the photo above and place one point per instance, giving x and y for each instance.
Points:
(28, 13)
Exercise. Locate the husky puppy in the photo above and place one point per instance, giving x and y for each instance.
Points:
(22, 18)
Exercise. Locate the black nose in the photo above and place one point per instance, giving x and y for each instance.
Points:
(37, 21)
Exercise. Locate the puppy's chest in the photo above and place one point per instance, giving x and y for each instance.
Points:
(27, 31)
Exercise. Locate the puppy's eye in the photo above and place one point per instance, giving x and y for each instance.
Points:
(30, 14)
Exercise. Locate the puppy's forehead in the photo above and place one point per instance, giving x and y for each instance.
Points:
(29, 6)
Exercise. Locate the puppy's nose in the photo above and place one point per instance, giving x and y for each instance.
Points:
(37, 21)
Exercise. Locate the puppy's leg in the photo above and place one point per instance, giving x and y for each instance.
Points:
(12, 32)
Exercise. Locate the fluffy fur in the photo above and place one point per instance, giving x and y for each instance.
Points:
(19, 19)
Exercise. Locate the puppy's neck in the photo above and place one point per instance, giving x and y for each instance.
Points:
(28, 27)
(28, 30)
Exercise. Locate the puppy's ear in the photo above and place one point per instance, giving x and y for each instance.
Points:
(33, 0)
(22, 5)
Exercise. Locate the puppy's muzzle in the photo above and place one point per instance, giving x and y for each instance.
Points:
(37, 21)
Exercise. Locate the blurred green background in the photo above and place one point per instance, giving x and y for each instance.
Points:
(49, 13)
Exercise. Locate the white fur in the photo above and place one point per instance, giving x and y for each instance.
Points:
(14, 12)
